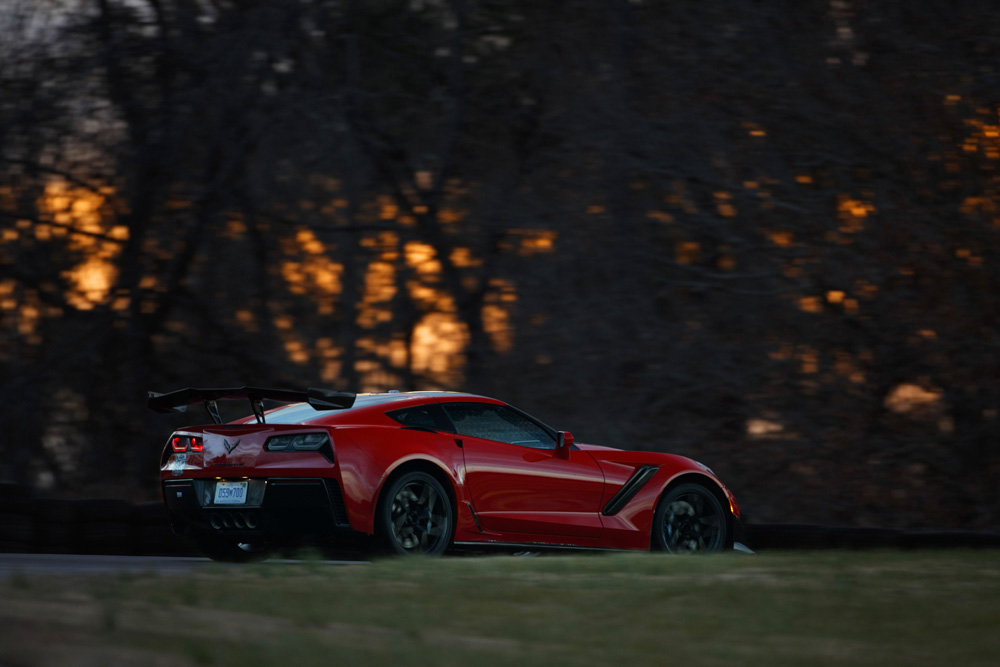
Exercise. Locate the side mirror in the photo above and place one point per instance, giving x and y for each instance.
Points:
(564, 441)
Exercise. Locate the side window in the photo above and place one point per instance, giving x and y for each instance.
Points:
(423, 416)
(500, 423)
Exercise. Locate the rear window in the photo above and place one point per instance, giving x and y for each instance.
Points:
(296, 413)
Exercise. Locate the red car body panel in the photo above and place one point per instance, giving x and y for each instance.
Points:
(382, 454)
(501, 492)
(521, 490)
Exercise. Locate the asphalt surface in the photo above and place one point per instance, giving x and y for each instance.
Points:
(42, 564)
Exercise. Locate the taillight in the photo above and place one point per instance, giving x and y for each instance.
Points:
(299, 442)
(181, 443)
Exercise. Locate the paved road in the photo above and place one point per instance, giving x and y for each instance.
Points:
(11, 564)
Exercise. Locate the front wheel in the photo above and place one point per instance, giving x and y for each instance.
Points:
(417, 517)
(689, 519)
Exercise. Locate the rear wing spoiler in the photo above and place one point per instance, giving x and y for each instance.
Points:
(177, 401)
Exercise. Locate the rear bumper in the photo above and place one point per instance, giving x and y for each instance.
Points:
(287, 508)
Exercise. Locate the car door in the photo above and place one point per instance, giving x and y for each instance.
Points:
(516, 481)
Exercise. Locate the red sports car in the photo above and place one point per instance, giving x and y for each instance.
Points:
(422, 473)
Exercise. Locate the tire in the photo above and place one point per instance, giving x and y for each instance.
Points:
(230, 551)
(689, 519)
(417, 517)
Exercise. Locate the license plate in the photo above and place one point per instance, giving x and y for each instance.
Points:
(230, 493)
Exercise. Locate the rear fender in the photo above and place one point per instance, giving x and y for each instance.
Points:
(369, 456)
(423, 463)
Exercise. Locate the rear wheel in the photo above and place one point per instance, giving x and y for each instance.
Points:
(417, 517)
(231, 551)
(689, 519)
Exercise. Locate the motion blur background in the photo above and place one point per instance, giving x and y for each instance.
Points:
(762, 234)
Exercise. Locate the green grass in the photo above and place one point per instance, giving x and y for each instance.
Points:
(817, 608)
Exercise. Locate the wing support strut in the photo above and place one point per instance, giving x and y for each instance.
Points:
(213, 410)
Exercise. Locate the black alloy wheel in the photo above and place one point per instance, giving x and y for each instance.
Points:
(689, 519)
(417, 516)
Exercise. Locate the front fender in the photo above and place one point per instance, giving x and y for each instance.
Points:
(631, 527)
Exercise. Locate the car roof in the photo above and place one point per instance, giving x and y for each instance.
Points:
(367, 407)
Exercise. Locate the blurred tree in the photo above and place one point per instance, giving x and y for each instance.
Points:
(762, 236)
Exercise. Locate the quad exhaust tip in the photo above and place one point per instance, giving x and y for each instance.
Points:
(233, 520)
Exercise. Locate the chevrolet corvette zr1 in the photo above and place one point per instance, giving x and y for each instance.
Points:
(422, 473)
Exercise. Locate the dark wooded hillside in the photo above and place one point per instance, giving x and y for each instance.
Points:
(762, 234)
